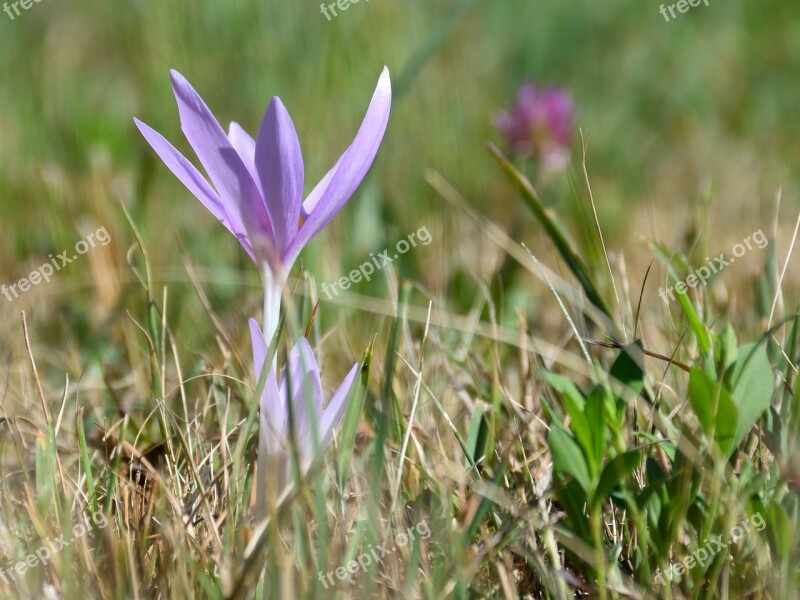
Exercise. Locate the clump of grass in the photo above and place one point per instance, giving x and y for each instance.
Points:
(514, 467)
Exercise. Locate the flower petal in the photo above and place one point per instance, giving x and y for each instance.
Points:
(273, 403)
(273, 430)
(352, 167)
(245, 147)
(306, 388)
(279, 163)
(334, 413)
(225, 168)
(194, 181)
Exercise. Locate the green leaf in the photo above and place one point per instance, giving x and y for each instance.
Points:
(653, 495)
(564, 386)
(614, 474)
(704, 392)
(779, 529)
(596, 418)
(726, 350)
(567, 457)
(575, 405)
(573, 499)
(629, 366)
(478, 435)
(754, 387)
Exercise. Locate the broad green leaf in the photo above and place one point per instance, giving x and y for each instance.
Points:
(575, 405)
(615, 472)
(779, 529)
(703, 393)
(567, 457)
(629, 366)
(550, 414)
(574, 499)
(596, 419)
(655, 478)
(752, 392)
(478, 434)
(614, 408)
(565, 387)
(726, 348)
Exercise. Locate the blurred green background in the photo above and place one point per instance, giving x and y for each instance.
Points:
(666, 107)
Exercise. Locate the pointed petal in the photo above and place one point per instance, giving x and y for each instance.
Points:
(235, 186)
(306, 387)
(245, 147)
(353, 166)
(284, 397)
(194, 181)
(273, 413)
(272, 434)
(272, 401)
(334, 413)
(279, 163)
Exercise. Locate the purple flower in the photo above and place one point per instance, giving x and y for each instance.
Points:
(256, 187)
(313, 425)
(540, 125)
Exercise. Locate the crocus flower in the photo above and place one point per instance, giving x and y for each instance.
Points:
(256, 186)
(301, 389)
(540, 125)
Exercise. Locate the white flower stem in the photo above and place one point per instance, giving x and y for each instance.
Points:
(270, 468)
(273, 287)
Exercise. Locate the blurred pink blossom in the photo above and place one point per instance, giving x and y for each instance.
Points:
(540, 125)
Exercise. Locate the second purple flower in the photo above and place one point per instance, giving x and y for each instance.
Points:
(539, 125)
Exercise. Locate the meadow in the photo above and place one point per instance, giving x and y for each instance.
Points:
(559, 382)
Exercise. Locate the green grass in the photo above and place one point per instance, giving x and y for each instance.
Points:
(524, 392)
